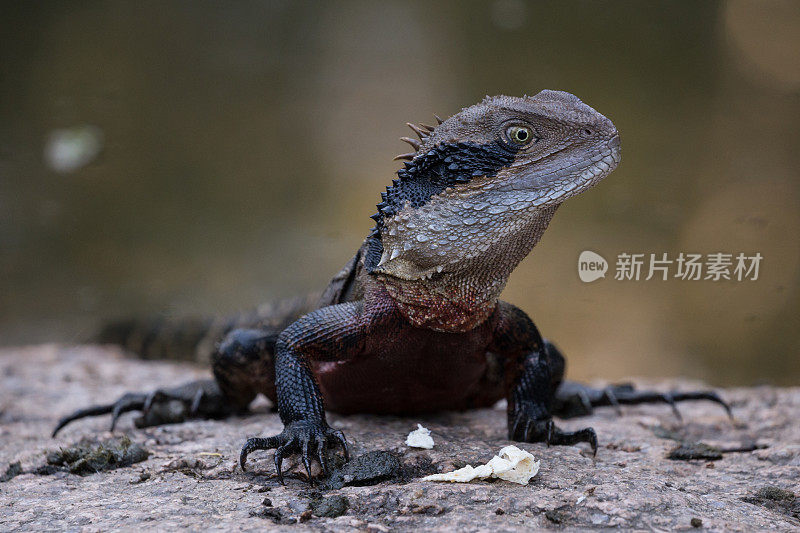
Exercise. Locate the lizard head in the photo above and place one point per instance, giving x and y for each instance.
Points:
(481, 187)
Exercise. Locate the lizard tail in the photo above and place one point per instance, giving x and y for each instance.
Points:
(195, 338)
(182, 339)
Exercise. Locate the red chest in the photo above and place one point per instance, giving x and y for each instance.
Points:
(404, 370)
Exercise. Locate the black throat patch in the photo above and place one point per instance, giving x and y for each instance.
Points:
(444, 166)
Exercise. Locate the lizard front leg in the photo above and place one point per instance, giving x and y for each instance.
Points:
(328, 334)
(531, 382)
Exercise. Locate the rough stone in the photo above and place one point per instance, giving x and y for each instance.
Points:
(330, 507)
(13, 470)
(366, 469)
(689, 451)
(191, 480)
(776, 499)
(87, 457)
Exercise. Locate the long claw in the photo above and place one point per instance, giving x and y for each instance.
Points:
(255, 443)
(704, 395)
(668, 398)
(586, 435)
(608, 392)
(515, 426)
(341, 438)
(95, 410)
(585, 402)
(246, 449)
(527, 431)
(148, 402)
(198, 397)
(306, 461)
(115, 414)
(162, 395)
(279, 463)
(123, 406)
(321, 456)
(592, 441)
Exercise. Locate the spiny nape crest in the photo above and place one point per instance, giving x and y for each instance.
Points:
(422, 131)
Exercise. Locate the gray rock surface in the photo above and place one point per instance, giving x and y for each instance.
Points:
(191, 480)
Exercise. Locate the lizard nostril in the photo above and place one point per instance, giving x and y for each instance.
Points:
(614, 141)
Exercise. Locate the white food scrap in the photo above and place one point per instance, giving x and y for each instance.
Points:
(510, 464)
(420, 438)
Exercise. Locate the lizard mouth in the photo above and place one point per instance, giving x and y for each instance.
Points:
(555, 185)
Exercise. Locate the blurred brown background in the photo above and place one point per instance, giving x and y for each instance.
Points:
(202, 157)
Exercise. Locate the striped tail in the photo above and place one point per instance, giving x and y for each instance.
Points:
(195, 338)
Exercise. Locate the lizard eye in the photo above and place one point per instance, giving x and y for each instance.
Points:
(520, 135)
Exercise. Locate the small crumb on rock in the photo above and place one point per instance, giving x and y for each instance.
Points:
(420, 438)
(510, 464)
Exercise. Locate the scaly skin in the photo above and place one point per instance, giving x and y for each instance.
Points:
(413, 322)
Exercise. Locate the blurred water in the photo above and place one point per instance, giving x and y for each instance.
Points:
(244, 147)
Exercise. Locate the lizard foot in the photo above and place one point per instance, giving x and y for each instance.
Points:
(574, 399)
(163, 406)
(301, 436)
(530, 425)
